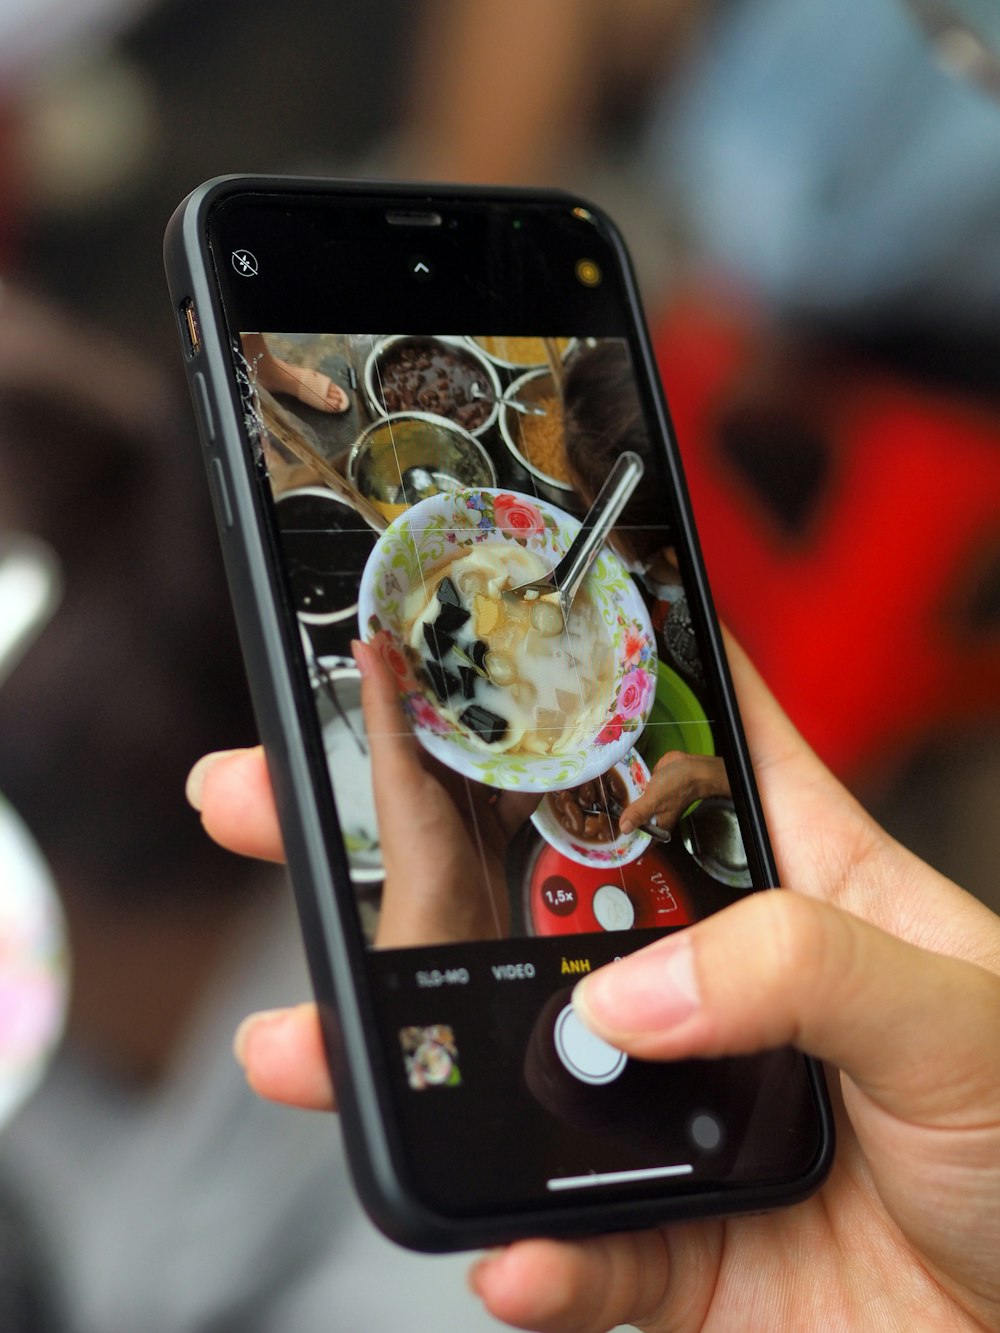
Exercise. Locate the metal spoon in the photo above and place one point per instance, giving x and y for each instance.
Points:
(330, 690)
(322, 678)
(615, 808)
(477, 391)
(565, 578)
(526, 409)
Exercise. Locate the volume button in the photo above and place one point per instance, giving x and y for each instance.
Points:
(203, 406)
(220, 493)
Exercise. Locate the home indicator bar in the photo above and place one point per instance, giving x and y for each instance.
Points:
(617, 1177)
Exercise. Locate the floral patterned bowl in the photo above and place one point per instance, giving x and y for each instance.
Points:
(625, 848)
(437, 530)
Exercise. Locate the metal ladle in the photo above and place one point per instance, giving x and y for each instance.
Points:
(565, 578)
(615, 808)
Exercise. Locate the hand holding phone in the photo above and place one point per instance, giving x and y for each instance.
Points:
(909, 1083)
(451, 789)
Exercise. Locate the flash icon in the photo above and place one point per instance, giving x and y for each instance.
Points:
(245, 263)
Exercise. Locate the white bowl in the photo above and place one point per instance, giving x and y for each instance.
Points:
(623, 849)
(444, 526)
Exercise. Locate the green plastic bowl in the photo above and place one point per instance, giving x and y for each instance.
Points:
(676, 721)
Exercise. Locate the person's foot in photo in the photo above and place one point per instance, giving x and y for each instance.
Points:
(310, 387)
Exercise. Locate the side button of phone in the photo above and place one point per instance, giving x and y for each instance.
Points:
(220, 493)
(587, 1057)
(202, 406)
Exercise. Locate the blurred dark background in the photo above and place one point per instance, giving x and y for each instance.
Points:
(812, 200)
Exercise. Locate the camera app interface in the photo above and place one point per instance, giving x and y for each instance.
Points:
(509, 755)
(523, 751)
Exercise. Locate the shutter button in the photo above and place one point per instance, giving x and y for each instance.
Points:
(587, 1057)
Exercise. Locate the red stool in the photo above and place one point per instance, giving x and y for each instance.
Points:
(862, 621)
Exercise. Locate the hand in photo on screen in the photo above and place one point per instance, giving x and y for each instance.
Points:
(678, 780)
(443, 836)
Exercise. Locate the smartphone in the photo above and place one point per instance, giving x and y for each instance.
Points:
(411, 401)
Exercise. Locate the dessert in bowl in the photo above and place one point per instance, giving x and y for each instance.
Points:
(498, 687)
(581, 821)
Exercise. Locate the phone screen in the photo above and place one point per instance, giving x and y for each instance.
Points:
(430, 414)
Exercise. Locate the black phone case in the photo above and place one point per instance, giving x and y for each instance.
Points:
(319, 874)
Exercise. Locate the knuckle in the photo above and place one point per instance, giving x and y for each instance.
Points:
(796, 930)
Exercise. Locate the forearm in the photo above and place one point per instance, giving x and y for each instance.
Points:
(501, 92)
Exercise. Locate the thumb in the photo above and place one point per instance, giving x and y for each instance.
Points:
(231, 789)
(916, 1031)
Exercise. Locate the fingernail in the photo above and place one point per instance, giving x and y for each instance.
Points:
(195, 785)
(651, 990)
(359, 651)
(255, 1023)
(625, 825)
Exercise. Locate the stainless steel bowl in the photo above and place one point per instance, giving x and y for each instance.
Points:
(410, 455)
(481, 371)
(531, 388)
(324, 569)
(537, 363)
(711, 833)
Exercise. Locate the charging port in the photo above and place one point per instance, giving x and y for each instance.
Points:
(189, 320)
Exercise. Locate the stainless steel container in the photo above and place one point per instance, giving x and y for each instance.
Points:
(711, 833)
(531, 388)
(324, 570)
(477, 367)
(410, 455)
